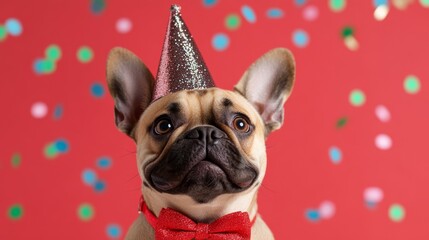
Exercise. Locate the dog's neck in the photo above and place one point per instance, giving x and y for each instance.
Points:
(202, 212)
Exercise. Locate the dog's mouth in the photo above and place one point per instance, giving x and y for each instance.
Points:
(202, 171)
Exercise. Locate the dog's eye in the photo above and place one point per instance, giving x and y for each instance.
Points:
(241, 124)
(163, 126)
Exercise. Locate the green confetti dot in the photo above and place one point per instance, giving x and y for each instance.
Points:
(412, 84)
(85, 212)
(53, 52)
(347, 31)
(50, 151)
(337, 5)
(396, 213)
(16, 211)
(3, 33)
(424, 3)
(85, 54)
(232, 21)
(342, 122)
(16, 160)
(48, 66)
(357, 98)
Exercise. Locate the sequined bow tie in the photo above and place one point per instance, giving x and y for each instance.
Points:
(172, 225)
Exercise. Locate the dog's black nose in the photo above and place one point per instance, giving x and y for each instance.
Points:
(209, 134)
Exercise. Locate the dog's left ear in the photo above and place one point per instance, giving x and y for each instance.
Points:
(267, 84)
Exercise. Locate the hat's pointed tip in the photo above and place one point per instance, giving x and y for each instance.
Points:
(175, 9)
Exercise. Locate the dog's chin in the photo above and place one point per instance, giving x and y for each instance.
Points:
(204, 182)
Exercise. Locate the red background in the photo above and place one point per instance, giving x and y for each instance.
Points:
(300, 173)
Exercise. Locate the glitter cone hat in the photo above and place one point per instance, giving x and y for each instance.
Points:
(181, 66)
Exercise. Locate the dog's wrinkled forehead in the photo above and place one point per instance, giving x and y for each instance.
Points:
(200, 107)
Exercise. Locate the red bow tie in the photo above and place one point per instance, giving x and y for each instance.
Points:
(172, 225)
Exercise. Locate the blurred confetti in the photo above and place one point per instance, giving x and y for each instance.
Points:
(232, 21)
(396, 213)
(85, 54)
(373, 196)
(300, 38)
(220, 41)
(412, 84)
(248, 14)
(382, 113)
(357, 98)
(85, 212)
(275, 13)
(383, 142)
(335, 155)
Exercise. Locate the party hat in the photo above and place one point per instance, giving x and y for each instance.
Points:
(181, 66)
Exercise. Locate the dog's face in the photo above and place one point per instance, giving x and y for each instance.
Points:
(205, 143)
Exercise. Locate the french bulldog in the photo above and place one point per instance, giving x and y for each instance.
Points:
(201, 152)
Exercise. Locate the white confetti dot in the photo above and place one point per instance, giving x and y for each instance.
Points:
(382, 113)
(39, 110)
(381, 12)
(124, 25)
(383, 141)
(327, 209)
(373, 195)
(310, 13)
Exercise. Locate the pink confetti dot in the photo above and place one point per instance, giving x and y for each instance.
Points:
(382, 113)
(124, 25)
(327, 209)
(373, 194)
(310, 13)
(39, 110)
(383, 141)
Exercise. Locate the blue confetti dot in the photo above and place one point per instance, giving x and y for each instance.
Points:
(62, 145)
(248, 14)
(104, 162)
(89, 177)
(312, 215)
(275, 13)
(97, 6)
(38, 66)
(58, 111)
(300, 38)
(370, 204)
(209, 3)
(380, 2)
(99, 186)
(97, 90)
(335, 155)
(300, 2)
(114, 231)
(220, 41)
(13, 27)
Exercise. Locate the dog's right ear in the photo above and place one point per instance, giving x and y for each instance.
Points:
(131, 84)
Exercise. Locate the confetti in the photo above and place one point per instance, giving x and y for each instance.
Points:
(381, 12)
(16, 212)
(401, 4)
(383, 142)
(58, 111)
(53, 52)
(232, 21)
(39, 110)
(104, 162)
(327, 210)
(312, 215)
(220, 41)
(274, 13)
(124, 25)
(342, 122)
(50, 151)
(248, 14)
(85, 54)
(357, 98)
(380, 3)
(396, 212)
(209, 3)
(424, 3)
(300, 38)
(412, 84)
(89, 177)
(310, 13)
(99, 186)
(300, 2)
(62, 145)
(85, 212)
(373, 195)
(337, 5)
(98, 6)
(335, 155)
(97, 90)
(3, 33)
(349, 40)
(114, 231)
(16, 160)
(382, 113)
(13, 26)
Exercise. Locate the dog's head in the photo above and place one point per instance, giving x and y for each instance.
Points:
(201, 144)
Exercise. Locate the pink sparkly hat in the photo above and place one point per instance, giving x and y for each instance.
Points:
(182, 66)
